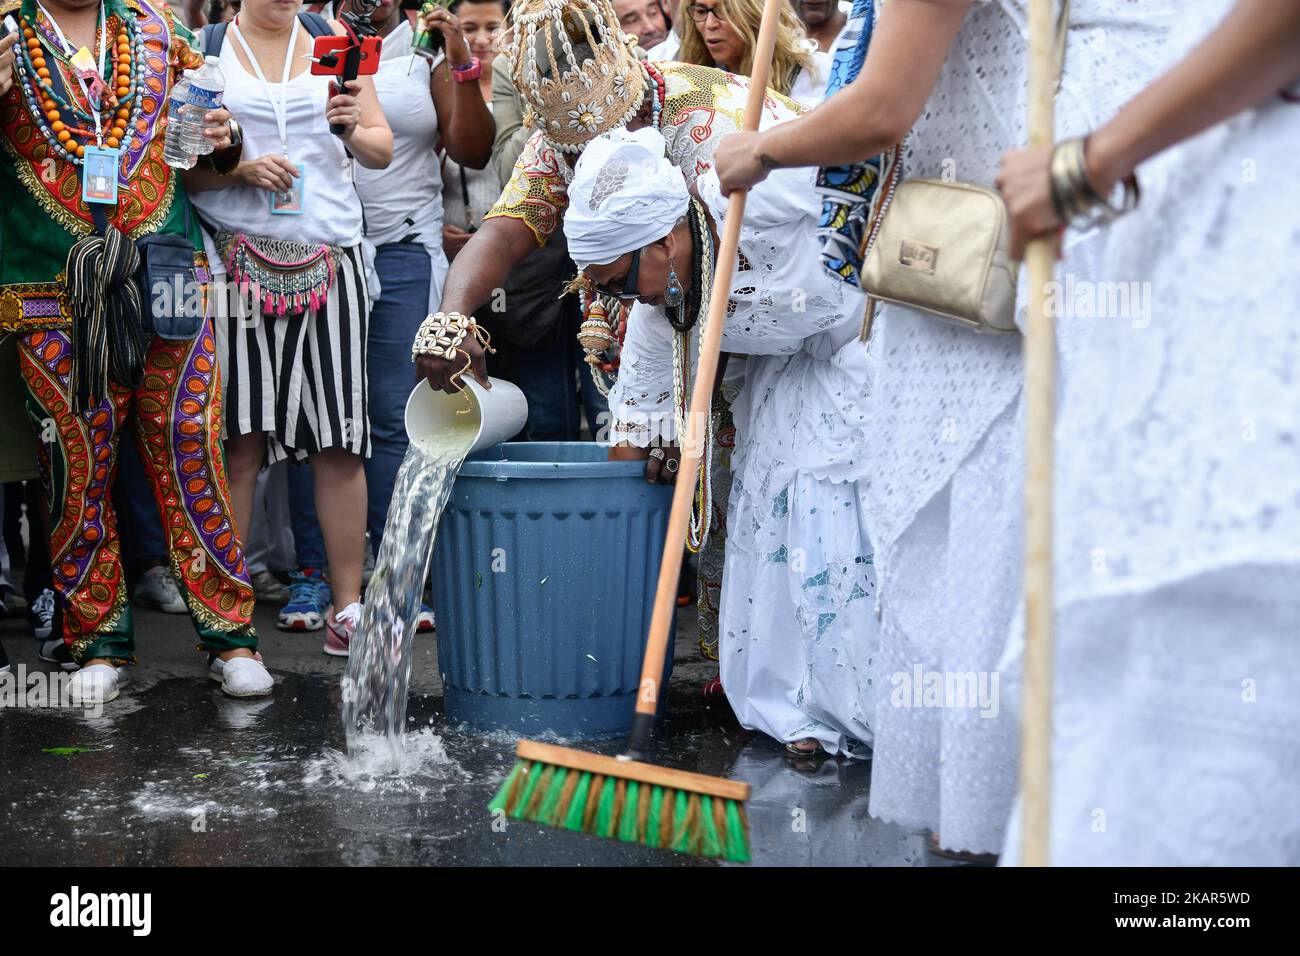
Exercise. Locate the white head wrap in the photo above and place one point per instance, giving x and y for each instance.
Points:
(625, 195)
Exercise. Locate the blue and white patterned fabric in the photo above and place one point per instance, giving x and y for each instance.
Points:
(848, 191)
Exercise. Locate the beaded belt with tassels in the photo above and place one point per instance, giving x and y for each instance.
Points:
(286, 276)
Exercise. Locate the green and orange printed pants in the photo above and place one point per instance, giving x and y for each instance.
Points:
(178, 420)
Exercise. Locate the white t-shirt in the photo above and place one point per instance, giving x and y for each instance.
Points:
(406, 198)
(667, 50)
(331, 211)
(810, 85)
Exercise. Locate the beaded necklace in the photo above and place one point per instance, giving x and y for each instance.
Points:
(657, 90)
(123, 95)
(701, 280)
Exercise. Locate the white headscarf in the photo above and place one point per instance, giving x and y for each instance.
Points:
(625, 195)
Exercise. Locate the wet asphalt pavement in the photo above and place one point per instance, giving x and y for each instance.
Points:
(174, 773)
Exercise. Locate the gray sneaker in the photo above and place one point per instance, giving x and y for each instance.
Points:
(268, 589)
(41, 615)
(158, 589)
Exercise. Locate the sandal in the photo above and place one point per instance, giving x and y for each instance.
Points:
(793, 748)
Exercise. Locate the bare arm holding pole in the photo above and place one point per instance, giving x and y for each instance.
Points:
(1254, 53)
(872, 114)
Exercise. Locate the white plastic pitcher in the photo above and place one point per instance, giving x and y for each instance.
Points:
(498, 413)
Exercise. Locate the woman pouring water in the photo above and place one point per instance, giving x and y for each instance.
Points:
(797, 625)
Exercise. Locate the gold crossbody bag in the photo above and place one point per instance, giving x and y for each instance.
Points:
(943, 247)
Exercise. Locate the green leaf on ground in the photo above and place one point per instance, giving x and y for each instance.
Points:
(67, 751)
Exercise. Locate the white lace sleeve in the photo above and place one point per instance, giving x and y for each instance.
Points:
(641, 400)
(781, 296)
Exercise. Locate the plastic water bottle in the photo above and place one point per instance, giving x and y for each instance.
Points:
(207, 87)
(198, 92)
(177, 153)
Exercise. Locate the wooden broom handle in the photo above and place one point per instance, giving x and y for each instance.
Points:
(1040, 388)
(670, 568)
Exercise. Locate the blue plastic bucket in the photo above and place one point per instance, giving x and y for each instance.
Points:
(544, 577)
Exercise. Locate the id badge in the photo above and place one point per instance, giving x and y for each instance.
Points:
(290, 202)
(99, 175)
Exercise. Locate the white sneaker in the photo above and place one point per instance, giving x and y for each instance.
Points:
(241, 676)
(158, 589)
(339, 629)
(217, 667)
(96, 684)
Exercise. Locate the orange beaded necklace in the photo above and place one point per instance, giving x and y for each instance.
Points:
(116, 96)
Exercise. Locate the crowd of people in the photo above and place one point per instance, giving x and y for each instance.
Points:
(313, 427)
(858, 514)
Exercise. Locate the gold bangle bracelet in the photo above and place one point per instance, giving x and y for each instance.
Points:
(1074, 197)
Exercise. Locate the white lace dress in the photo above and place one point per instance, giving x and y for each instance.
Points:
(944, 499)
(1178, 555)
(798, 633)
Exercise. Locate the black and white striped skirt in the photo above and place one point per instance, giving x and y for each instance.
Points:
(299, 378)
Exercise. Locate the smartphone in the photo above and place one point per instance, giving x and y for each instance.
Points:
(8, 26)
(327, 55)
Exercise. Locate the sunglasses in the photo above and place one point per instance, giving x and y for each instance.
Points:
(629, 281)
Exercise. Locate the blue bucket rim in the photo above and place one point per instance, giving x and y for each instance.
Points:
(488, 463)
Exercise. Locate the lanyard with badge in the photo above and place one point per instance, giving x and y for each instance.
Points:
(290, 201)
(100, 164)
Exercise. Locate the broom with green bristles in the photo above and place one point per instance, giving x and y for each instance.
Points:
(625, 797)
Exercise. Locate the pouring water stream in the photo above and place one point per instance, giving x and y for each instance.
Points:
(379, 663)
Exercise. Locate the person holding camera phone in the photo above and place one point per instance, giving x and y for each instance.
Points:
(286, 225)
